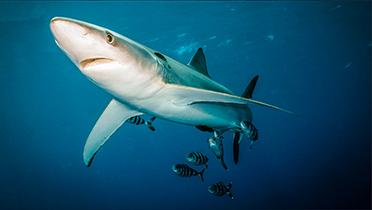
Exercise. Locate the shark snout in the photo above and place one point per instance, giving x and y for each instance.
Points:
(68, 35)
(82, 42)
(64, 28)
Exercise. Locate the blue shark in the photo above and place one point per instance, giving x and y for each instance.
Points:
(141, 81)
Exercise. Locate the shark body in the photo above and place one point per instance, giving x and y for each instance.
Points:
(144, 81)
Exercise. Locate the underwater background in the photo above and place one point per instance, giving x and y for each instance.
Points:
(313, 58)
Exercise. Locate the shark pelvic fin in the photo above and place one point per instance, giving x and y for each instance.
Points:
(111, 119)
(199, 63)
(237, 138)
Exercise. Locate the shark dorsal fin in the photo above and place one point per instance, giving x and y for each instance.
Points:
(198, 62)
(249, 90)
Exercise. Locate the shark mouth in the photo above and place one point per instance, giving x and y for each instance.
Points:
(94, 62)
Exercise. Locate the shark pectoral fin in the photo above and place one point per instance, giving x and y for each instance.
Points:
(111, 119)
(271, 106)
(185, 96)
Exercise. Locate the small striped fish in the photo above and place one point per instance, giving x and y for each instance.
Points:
(250, 130)
(184, 170)
(219, 189)
(137, 120)
(197, 158)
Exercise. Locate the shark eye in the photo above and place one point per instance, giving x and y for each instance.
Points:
(109, 37)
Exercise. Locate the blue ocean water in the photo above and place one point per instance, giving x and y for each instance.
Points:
(313, 58)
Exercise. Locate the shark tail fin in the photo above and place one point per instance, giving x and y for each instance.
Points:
(149, 123)
(249, 89)
(201, 173)
(229, 190)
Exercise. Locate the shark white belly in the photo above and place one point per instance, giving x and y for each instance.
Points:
(155, 97)
(144, 81)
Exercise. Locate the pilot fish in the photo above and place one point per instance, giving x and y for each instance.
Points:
(219, 189)
(251, 132)
(184, 170)
(197, 158)
(215, 144)
(139, 121)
